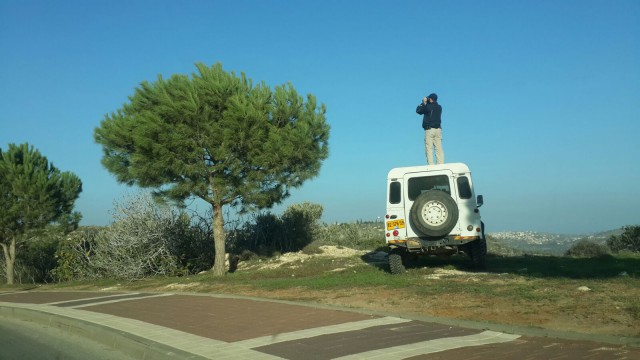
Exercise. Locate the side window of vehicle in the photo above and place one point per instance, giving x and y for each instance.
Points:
(418, 185)
(395, 192)
(464, 187)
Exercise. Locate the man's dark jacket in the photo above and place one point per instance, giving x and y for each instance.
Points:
(431, 115)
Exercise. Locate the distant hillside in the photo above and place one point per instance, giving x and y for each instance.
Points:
(531, 242)
(366, 234)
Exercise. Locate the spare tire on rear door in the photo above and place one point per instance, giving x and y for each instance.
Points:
(434, 213)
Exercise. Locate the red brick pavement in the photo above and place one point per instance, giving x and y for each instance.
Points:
(535, 348)
(352, 342)
(226, 319)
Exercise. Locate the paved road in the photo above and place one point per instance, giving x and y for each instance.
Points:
(21, 340)
(189, 326)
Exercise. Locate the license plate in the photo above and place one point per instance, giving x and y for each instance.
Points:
(395, 224)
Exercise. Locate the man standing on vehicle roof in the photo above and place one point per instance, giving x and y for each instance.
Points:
(431, 113)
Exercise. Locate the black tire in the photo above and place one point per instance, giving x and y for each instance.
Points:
(396, 266)
(434, 213)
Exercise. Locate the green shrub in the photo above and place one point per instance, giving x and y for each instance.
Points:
(247, 255)
(300, 223)
(191, 242)
(267, 234)
(260, 235)
(361, 236)
(36, 258)
(586, 248)
(629, 240)
(299, 229)
(73, 255)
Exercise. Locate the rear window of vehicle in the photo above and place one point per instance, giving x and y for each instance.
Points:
(464, 187)
(395, 192)
(418, 185)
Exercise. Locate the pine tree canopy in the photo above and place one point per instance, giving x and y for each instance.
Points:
(216, 136)
(33, 192)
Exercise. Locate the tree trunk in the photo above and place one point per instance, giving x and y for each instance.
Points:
(219, 238)
(9, 259)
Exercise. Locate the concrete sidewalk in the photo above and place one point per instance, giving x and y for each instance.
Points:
(193, 326)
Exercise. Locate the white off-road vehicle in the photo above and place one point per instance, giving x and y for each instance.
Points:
(432, 209)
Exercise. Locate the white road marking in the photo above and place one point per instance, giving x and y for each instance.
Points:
(432, 346)
(324, 330)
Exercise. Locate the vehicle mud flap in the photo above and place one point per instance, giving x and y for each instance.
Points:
(414, 246)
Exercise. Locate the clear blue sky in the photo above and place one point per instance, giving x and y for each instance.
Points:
(541, 98)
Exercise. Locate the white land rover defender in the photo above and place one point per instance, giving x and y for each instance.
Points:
(432, 209)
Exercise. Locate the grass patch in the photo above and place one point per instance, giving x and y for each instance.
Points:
(359, 277)
(317, 273)
(634, 311)
(602, 267)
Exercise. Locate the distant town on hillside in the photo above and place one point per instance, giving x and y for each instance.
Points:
(545, 243)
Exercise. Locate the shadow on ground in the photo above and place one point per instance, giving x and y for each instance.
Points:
(540, 266)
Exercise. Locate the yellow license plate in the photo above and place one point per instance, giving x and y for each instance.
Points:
(395, 224)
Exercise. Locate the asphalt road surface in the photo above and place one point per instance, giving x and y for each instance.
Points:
(21, 340)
